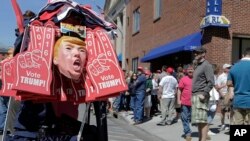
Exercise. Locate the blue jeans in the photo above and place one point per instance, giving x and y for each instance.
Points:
(132, 102)
(3, 110)
(118, 103)
(139, 105)
(186, 118)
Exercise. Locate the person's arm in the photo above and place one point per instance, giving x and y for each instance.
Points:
(139, 81)
(179, 91)
(179, 96)
(160, 91)
(230, 85)
(230, 79)
(209, 74)
(231, 92)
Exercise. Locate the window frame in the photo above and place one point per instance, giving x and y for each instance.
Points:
(135, 62)
(157, 9)
(136, 20)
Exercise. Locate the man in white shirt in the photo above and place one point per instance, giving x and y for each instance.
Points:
(167, 93)
(223, 90)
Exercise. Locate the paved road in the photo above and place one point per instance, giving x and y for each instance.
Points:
(119, 130)
(174, 132)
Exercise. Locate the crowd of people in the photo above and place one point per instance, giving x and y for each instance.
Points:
(193, 93)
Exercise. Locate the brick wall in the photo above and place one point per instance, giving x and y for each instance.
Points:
(180, 18)
(218, 41)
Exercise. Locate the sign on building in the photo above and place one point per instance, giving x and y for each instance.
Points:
(214, 15)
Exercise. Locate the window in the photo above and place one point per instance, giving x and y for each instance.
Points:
(134, 64)
(239, 46)
(136, 23)
(157, 9)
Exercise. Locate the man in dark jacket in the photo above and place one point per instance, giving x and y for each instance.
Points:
(140, 89)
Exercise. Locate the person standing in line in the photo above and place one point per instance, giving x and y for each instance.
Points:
(223, 91)
(179, 75)
(167, 93)
(140, 90)
(148, 101)
(213, 101)
(238, 78)
(163, 73)
(127, 93)
(131, 87)
(154, 108)
(184, 99)
(202, 84)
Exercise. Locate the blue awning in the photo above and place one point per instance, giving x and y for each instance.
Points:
(119, 57)
(187, 43)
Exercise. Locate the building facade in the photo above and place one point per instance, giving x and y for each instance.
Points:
(115, 12)
(152, 24)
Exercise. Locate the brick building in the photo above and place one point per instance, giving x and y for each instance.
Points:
(153, 24)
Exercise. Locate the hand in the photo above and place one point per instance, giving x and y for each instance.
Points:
(159, 96)
(201, 97)
(102, 66)
(34, 65)
(126, 93)
(231, 96)
(148, 90)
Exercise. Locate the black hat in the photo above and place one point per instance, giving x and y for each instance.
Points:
(200, 50)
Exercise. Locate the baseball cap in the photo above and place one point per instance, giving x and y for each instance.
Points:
(170, 70)
(140, 68)
(226, 66)
(147, 72)
(200, 50)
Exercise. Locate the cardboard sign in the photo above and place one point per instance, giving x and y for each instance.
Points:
(102, 67)
(33, 67)
(8, 75)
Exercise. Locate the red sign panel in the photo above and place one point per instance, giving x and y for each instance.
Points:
(33, 67)
(102, 67)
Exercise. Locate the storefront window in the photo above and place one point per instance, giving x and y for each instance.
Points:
(239, 45)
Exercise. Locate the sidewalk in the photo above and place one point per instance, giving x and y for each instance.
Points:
(174, 132)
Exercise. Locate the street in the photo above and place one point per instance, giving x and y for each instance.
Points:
(174, 132)
(119, 130)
